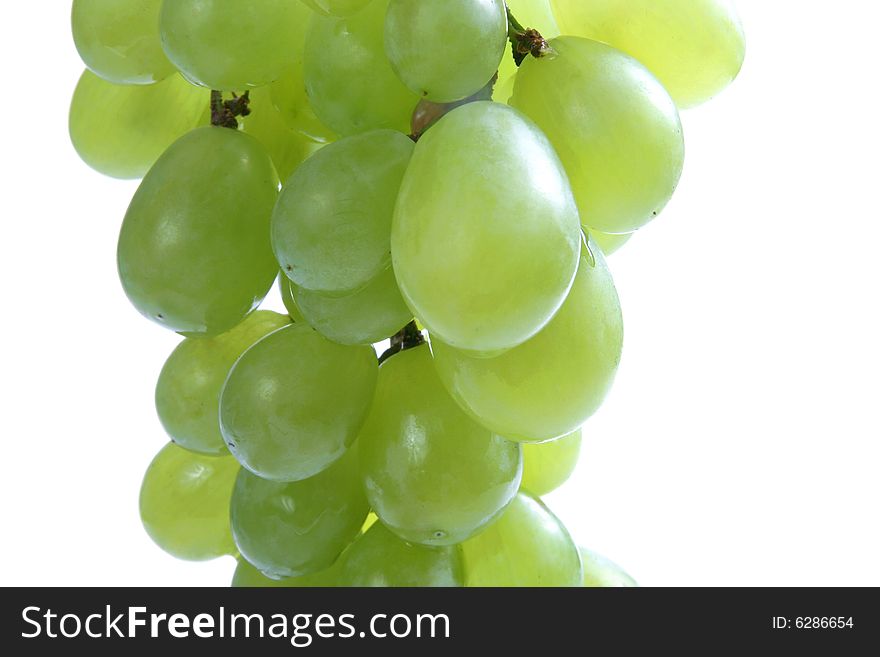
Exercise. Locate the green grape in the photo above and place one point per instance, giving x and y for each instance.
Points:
(248, 577)
(337, 7)
(432, 475)
(694, 47)
(535, 14)
(551, 384)
(299, 528)
(290, 99)
(331, 228)
(288, 300)
(378, 558)
(546, 466)
(287, 148)
(188, 391)
(485, 237)
(445, 50)
(119, 40)
(121, 131)
(625, 161)
(371, 520)
(348, 78)
(367, 316)
(599, 572)
(231, 45)
(526, 547)
(184, 503)
(294, 402)
(195, 253)
(608, 242)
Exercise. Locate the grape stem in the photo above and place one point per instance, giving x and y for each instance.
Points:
(408, 337)
(224, 113)
(525, 41)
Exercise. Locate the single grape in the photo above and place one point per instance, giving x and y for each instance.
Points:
(195, 253)
(284, 287)
(337, 7)
(348, 78)
(608, 242)
(331, 229)
(119, 40)
(367, 316)
(625, 161)
(188, 391)
(526, 547)
(695, 48)
(300, 528)
(121, 131)
(231, 45)
(485, 238)
(432, 475)
(379, 558)
(546, 466)
(248, 577)
(184, 503)
(551, 384)
(445, 50)
(599, 572)
(294, 402)
(290, 99)
(535, 14)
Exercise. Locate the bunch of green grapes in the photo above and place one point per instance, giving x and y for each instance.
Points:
(351, 151)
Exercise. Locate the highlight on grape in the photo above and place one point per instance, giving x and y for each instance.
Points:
(447, 174)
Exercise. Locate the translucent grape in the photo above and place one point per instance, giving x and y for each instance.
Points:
(331, 228)
(246, 576)
(381, 559)
(188, 391)
(694, 47)
(485, 237)
(546, 466)
(613, 125)
(184, 503)
(294, 529)
(599, 572)
(535, 14)
(119, 40)
(284, 287)
(432, 475)
(608, 242)
(349, 80)
(367, 316)
(290, 99)
(337, 7)
(231, 45)
(527, 546)
(551, 384)
(121, 131)
(294, 402)
(195, 253)
(445, 50)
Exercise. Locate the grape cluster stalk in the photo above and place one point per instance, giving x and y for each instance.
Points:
(447, 174)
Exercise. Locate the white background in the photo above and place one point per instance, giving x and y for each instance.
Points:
(740, 444)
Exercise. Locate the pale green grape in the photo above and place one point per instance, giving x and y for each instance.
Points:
(284, 287)
(535, 14)
(445, 50)
(188, 391)
(485, 237)
(184, 503)
(367, 316)
(348, 78)
(121, 131)
(379, 558)
(246, 576)
(608, 242)
(119, 40)
(599, 572)
(526, 547)
(195, 253)
(287, 148)
(546, 466)
(432, 475)
(331, 228)
(294, 402)
(553, 383)
(337, 7)
(694, 47)
(290, 99)
(293, 529)
(613, 125)
(231, 45)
